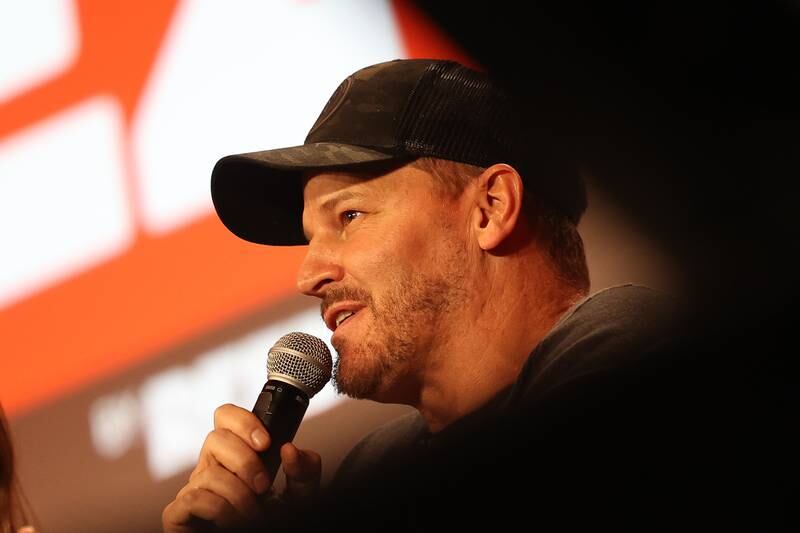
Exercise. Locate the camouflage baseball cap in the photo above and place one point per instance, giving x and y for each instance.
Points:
(388, 113)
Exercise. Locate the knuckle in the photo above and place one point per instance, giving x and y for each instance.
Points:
(181, 493)
(166, 514)
(225, 448)
(245, 465)
(207, 451)
(208, 443)
(221, 412)
(241, 501)
(212, 437)
(191, 497)
(197, 479)
(314, 459)
(219, 507)
(241, 457)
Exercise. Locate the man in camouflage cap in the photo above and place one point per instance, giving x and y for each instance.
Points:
(443, 246)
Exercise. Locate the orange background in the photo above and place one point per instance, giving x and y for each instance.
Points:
(162, 290)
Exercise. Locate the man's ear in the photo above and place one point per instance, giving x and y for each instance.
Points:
(498, 203)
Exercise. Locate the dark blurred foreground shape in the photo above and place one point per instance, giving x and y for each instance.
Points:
(686, 114)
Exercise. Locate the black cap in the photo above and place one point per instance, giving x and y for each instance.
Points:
(392, 112)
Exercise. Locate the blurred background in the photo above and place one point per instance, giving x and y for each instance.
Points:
(128, 313)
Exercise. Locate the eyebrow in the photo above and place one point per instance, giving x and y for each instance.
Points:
(331, 203)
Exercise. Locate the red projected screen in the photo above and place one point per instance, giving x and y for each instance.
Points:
(127, 311)
(108, 138)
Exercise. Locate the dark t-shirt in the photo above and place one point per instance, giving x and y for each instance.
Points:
(601, 428)
(603, 334)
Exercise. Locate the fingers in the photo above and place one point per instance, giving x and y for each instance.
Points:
(223, 488)
(181, 515)
(213, 494)
(303, 469)
(243, 424)
(224, 448)
(228, 486)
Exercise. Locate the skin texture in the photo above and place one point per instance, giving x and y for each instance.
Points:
(371, 250)
(449, 295)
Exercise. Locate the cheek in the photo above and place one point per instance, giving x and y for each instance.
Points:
(404, 248)
(402, 255)
(378, 264)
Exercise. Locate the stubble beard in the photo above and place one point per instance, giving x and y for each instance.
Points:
(405, 323)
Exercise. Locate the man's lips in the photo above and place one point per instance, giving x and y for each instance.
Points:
(330, 314)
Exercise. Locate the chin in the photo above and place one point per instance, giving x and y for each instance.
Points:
(354, 380)
(368, 370)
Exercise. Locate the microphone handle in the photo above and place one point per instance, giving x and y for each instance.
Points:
(281, 408)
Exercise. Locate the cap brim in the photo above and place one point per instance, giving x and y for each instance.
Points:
(259, 196)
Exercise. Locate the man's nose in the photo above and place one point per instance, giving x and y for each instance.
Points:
(320, 267)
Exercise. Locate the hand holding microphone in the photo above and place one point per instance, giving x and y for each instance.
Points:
(241, 456)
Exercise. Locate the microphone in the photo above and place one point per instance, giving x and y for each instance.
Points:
(298, 366)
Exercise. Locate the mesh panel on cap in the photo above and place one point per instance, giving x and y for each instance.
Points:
(460, 114)
(455, 113)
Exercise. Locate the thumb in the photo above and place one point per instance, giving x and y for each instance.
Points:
(303, 469)
(26, 529)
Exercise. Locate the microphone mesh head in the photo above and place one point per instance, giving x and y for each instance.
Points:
(301, 359)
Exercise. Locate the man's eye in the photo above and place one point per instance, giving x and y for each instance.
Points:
(349, 216)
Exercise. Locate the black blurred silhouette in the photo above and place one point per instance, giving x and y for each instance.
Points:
(686, 114)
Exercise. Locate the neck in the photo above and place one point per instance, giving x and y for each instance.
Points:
(491, 341)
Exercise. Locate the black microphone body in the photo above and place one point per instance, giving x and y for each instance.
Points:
(280, 407)
(298, 367)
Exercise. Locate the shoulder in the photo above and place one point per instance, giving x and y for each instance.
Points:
(610, 331)
(624, 310)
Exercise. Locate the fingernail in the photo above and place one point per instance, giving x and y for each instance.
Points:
(260, 482)
(260, 438)
(26, 529)
(291, 452)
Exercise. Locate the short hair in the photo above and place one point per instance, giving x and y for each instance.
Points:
(559, 234)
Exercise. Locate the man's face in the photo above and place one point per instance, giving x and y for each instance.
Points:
(387, 256)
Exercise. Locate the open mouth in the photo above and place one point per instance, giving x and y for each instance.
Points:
(339, 313)
(342, 317)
